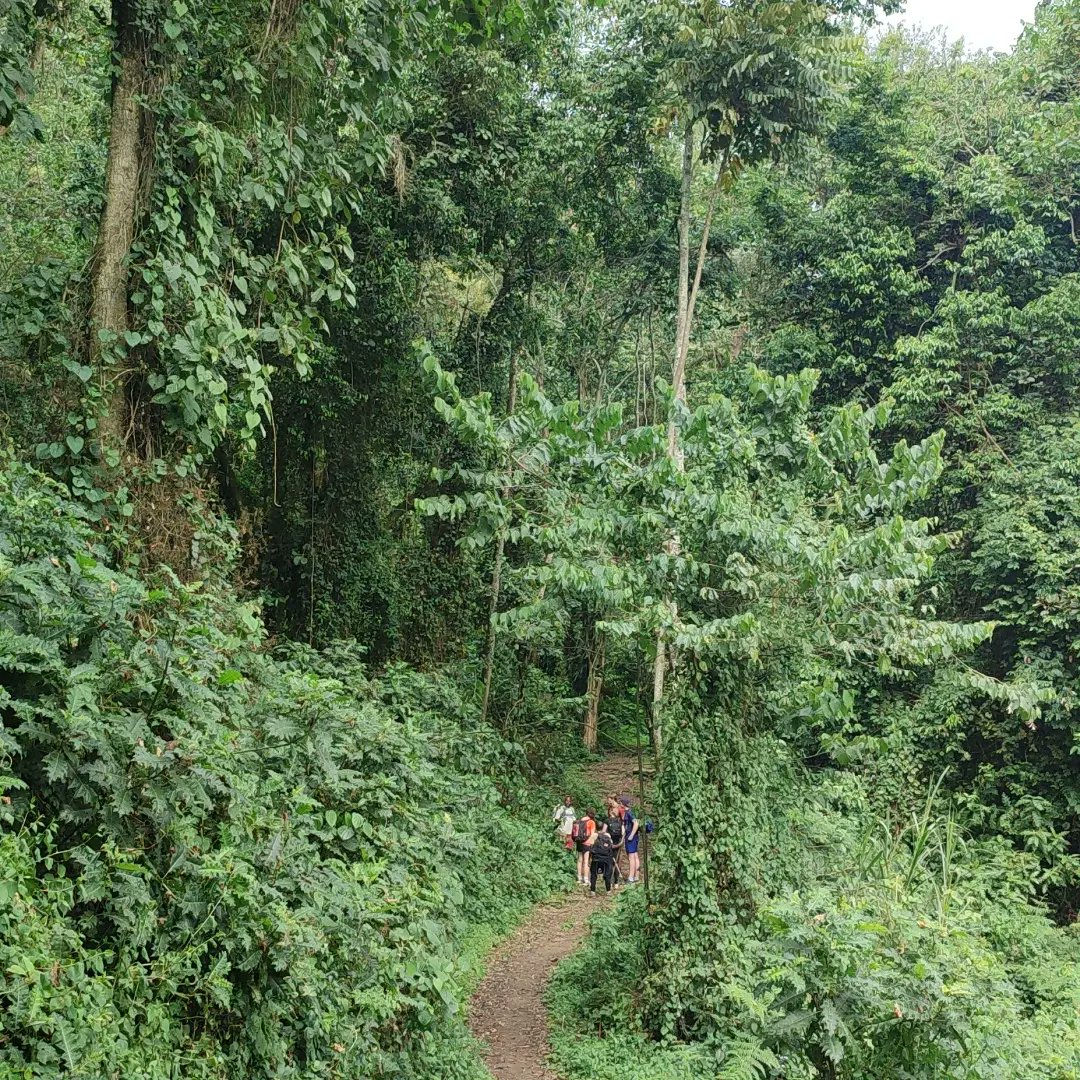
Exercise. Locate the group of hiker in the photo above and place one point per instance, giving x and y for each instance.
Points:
(599, 840)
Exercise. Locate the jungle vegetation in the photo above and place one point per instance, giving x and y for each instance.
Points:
(402, 400)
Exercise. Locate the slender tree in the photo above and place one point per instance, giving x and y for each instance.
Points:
(746, 79)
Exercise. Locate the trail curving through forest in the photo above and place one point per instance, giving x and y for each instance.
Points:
(507, 1011)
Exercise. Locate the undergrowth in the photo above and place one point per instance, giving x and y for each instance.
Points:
(219, 859)
(870, 949)
(596, 1028)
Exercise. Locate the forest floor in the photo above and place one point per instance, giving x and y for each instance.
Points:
(507, 1011)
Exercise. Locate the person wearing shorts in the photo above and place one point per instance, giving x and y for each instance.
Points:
(632, 839)
(583, 850)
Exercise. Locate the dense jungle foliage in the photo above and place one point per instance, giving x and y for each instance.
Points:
(403, 400)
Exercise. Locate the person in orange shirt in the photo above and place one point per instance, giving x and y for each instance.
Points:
(583, 830)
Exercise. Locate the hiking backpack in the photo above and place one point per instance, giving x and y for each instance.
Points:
(579, 830)
(602, 846)
(615, 830)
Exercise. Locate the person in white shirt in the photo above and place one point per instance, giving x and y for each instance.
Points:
(564, 816)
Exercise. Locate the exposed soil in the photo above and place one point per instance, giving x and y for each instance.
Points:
(507, 1011)
(617, 775)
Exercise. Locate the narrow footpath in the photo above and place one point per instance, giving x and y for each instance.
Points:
(507, 1012)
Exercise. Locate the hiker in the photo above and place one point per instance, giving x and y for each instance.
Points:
(563, 816)
(617, 833)
(581, 833)
(630, 832)
(601, 857)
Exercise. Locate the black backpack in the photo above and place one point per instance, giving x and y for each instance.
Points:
(614, 828)
(602, 846)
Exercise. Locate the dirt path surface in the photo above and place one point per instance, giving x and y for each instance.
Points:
(507, 1011)
(617, 775)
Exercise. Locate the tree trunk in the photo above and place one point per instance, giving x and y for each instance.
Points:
(109, 284)
(683, 324)
(594, 688)
(682, 329)
(489, 640)
(678, 385)
(688, 320)
(496, 570)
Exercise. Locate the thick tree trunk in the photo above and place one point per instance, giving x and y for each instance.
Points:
(496, 570)
(109, 284)
(594, 688)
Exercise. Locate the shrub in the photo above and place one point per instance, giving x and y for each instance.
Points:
(844, 944)
(219, 859)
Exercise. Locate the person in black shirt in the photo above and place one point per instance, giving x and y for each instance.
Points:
(601, 856)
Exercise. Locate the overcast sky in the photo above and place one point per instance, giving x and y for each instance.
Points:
(983, 24)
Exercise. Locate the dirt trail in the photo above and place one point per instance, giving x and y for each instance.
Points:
(507, 1011)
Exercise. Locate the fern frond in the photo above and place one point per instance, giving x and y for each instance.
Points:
(748, 1059)
(741, 996)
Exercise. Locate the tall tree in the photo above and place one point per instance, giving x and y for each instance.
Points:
(745, 80)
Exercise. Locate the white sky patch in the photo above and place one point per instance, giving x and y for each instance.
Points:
(983, 24)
